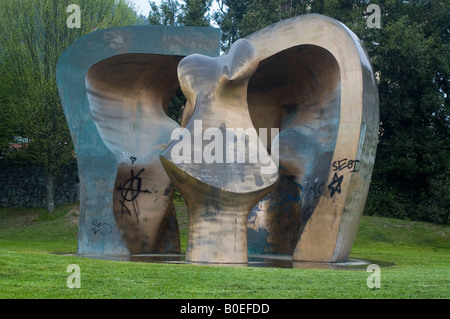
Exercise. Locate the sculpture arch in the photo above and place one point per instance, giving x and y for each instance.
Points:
(328, 225)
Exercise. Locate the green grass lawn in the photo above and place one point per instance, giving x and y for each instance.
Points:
(29, 267)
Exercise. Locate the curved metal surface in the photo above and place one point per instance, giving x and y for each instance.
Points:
(99, 234)
(219, 192)
(128, 95)
(316, 84)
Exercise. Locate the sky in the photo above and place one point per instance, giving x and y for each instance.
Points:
(142, 6)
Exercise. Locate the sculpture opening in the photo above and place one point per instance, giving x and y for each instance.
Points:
(298, 91)
(128, 96)
(316, 83)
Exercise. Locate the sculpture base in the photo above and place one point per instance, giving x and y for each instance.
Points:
(267, 261)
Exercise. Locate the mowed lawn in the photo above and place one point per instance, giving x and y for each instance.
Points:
(31, 268)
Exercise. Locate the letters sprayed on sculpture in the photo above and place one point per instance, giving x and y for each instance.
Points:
(273, 156)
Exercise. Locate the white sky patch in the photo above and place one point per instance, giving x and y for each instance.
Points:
(143, 7)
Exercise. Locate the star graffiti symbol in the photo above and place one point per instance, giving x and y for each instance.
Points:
(335, 185)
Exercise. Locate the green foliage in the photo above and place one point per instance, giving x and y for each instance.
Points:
(176, 106)
(230, 14)
(43, 121)
(410, 54)
(33, 34)
(237, 19)
(194, 13)
(165, 14)
(261, 13)
(8, 125)
(436, 206)
(189, 13)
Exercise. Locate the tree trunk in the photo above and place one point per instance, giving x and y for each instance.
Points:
(50, 191)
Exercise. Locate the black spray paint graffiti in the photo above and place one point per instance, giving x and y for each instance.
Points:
(129, 191)
(335, 185)
(310, 191)
(344, 163)
(132, 158)
(313, 191)
(102, 228)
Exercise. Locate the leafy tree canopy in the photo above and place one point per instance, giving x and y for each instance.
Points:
(33, 34)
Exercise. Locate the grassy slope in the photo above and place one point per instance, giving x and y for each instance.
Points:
(420, 251)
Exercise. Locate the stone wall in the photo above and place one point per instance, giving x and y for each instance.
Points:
(24, 185)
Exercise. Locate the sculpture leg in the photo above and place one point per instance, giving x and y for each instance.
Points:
(143, 208)
(217, 236)
(274, 223)
(217, 218)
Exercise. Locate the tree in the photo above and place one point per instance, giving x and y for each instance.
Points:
(165, 14)
(229, 14)
(237, 19)
(195, 13)
(8, 127)
(411, 58)
(171, 12)
(33, 34)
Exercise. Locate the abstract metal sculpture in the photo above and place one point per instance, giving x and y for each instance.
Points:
(305, 85)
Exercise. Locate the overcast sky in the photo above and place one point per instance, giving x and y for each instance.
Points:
(142, 6)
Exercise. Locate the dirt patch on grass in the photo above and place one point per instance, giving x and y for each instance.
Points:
(18, 220)
(73, 215)
(25, 220)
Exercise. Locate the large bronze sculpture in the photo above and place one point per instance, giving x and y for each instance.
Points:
(298, 96)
